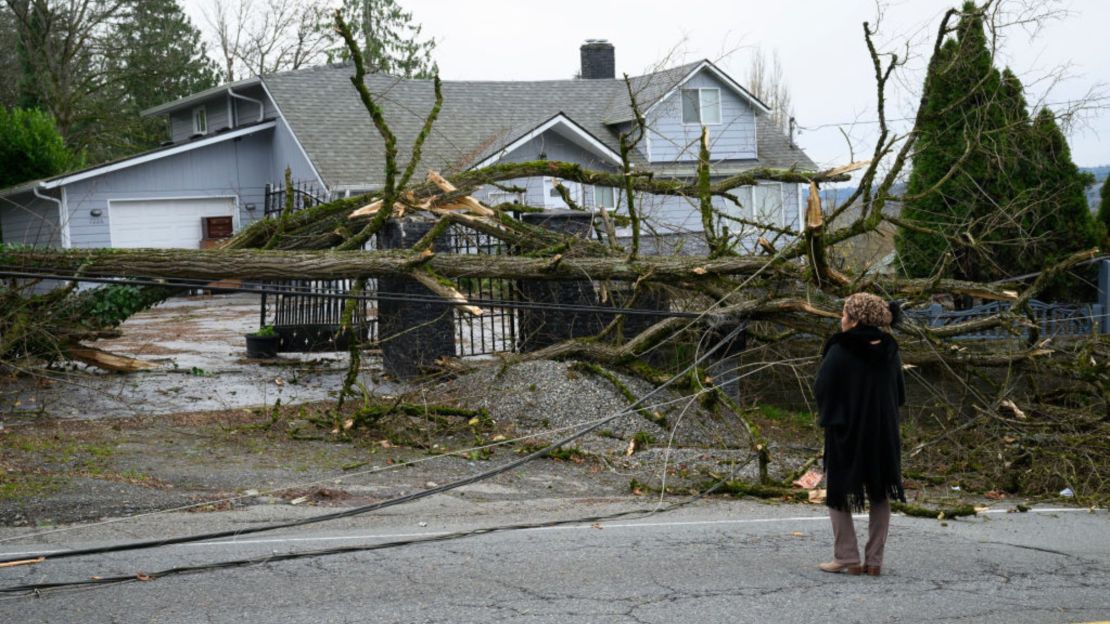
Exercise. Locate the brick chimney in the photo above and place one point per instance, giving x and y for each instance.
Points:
(598, 59)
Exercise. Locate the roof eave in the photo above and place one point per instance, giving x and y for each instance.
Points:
(201, 95)
(138, 159)
(559, 118)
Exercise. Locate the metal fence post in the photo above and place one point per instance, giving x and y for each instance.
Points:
(1104, 295)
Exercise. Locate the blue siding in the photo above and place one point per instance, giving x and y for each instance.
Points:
(28, 220)
(216, 110)
(247, 112)
(239, 167)
(671, 140)
(555, 147)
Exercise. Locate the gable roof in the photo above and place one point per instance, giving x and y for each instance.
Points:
(478, 118)
(651, 89)
(562, 124)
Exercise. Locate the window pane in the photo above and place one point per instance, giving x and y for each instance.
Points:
(690, 106)
(710, 106)
(768, 204)
(603, 196)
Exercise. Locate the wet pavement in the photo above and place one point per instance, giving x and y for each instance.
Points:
(198, 346)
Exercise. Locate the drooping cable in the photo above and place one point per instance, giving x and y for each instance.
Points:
(355, 511)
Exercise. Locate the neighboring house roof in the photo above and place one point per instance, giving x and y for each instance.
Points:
(478, 118)
(137, 159)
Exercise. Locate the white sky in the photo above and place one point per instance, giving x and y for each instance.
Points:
(820, 44)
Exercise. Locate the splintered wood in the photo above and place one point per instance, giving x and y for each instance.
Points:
(466, 203)
(447, 292)
(107, 361)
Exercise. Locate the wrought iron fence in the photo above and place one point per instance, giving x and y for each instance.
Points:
(496, 330)
(309, 316)
(305, 195)
(1054, 320)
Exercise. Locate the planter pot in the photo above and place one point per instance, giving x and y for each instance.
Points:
(262, 346)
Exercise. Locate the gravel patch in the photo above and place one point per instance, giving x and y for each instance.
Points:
(551, 399)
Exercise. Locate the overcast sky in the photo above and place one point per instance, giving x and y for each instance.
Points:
(820, 44)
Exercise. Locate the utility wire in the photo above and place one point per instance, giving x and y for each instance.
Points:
(36, 588)
(259, 288)
(145, 544)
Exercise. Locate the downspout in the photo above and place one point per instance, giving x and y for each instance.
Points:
(62, 216)
(261, 106)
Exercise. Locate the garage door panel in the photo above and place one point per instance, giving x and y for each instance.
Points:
(164, 223)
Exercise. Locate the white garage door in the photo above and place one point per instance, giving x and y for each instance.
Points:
(164, 223)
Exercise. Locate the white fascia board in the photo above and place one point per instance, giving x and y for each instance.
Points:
(145, 158)
(285, 122)
(563, 122)
(723, 77)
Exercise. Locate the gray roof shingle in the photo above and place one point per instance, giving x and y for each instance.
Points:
(477, 118)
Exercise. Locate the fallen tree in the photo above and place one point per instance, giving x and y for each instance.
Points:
(794, 285)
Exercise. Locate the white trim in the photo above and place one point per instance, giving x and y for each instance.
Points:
(145, 158)
(304, 153)
(230, 111)
(203, 108)
(261, 105)
(67, 241)
(701, 123)
(723, 77)
(755, 136)
(647, 137)
(558, 120)
(234, 200)
(57, 202)
(801, 209)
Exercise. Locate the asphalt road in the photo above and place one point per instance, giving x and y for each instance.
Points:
(715, 561)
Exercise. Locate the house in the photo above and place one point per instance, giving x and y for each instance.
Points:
(230, 145)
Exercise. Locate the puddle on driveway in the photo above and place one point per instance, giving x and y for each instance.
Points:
(198, 345)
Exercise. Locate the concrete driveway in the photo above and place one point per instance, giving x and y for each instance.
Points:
(198, 347)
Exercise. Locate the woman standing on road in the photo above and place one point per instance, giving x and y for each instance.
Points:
(859, 390)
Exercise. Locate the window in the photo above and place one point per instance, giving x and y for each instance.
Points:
(767, 202)
(701, 106)
(605, 196)
(200, 120)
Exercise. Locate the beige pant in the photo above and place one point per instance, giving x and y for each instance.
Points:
(846, 549)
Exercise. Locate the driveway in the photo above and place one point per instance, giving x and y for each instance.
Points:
(198, 347)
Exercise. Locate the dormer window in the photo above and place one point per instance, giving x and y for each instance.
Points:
(200, 120)
(701, 106)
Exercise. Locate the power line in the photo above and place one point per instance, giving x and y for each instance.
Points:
(486, 474)
(261, 288)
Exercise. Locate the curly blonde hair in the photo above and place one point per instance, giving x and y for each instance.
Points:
(868, 309)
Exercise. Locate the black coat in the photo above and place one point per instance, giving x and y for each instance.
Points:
(859, 389)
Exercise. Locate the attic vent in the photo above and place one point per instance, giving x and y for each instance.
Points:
(598, 59)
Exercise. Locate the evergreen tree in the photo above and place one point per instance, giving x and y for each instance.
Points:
(1015, 201)
(160, 58)
(1104, 211)
(1065, 223)
(960, 107)
(391, 41)
(31, 147)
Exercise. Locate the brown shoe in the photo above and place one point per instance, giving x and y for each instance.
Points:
(872, 570)
(835, 568)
